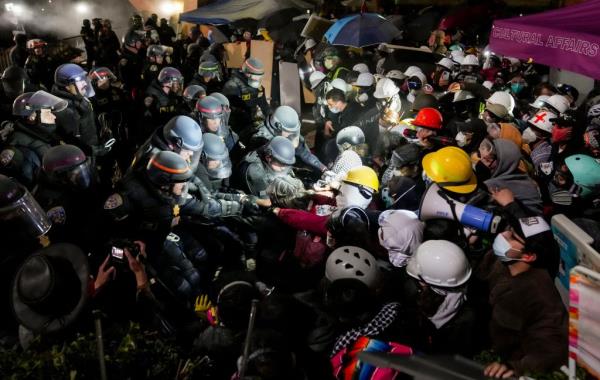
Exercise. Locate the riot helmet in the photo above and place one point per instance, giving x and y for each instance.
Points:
(285, 122)
(71, 74)
(171, 77)
(167, 168)
(280, 154)
(210, 114)
(192, 94)
(225, 104)
(102, 77)
(215, 157)
(67, 165)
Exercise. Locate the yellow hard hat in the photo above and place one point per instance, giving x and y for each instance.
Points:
(363, 176)
(450, 168)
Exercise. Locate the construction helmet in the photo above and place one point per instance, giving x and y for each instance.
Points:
(361, 68)
(355, 263)
(364, 177)
(439, 263)
(539, 102)
(395, 74)
(424, 100)
(470, 60)
(385, 88)
(586, 173)
(340, 84)
(315, 79)
(541, 120)
(446, 63)
(502, 98)
(364, 80)
(429, 118)
(411, 70)
(450, 168)
(167, 168)
(557, 104)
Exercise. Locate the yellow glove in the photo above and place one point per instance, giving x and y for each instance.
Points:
(202, 304)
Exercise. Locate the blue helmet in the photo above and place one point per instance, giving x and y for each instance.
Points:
(182, 132)
(70, 73)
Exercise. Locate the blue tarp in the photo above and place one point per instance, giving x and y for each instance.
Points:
(227, 11)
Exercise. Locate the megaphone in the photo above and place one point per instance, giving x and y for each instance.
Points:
(435, 204)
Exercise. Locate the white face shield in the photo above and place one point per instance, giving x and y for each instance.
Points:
(351, 195)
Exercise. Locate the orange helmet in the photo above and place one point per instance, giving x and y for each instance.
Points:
(428, 118)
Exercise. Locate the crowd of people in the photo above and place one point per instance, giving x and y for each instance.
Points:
(157, 185)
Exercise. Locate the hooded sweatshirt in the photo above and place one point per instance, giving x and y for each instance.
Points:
(507, 175)
(400, 233)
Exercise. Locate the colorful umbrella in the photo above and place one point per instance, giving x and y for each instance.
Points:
(360, 30)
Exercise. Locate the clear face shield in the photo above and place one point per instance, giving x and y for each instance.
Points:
(84, 87)
(212, 122)
(81, 176)
(176, 85)
(218, 169)
(254, 81)
(294, 137)
(24, 217)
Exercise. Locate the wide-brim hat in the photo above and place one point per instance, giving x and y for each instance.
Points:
(44, 265)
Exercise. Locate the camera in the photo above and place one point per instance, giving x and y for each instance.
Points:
(117, 252)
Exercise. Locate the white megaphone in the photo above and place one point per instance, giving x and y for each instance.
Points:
(437, 205)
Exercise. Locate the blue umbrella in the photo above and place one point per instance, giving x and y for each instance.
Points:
(360, 30)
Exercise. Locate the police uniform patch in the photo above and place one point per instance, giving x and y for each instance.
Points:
(148, 101)
(123, 62)
(6, 156)
(113, 202)
(57, 215)
(153, 68)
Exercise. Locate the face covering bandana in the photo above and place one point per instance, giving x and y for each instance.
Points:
(561, 134)
(516, 87)
(461, 139)
(529, 136)
(362, 98)
(453, 300)
(501, 247)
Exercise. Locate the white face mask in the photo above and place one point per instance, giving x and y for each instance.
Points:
(362, 98)
(501, 248)
(461, 139)
(529, 136)
(334, 110)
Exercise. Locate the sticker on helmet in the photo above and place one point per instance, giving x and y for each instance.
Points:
(57, 215)
(113, 202)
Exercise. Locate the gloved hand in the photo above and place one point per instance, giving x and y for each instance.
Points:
(202, 304)
(100, 150)
(250, 207)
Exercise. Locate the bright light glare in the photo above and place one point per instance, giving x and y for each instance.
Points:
(9, 7)
(82, 8)
(171, 7)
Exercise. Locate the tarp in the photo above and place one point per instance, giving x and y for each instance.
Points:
(227, 11)
(566, 38)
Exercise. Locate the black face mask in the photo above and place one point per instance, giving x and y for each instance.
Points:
(429, 301)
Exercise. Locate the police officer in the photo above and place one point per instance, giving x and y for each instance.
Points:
(77, 122)
(261, 166)
(209, 76)
(246, 93)
(31, 135)
(230, 138)
(191, 95)
(285, 122)
(131, 62)
(211, 116)
(66, 190)
(14, 83)
(163, 97)
(89, 40)
(39, 66)
(148, 205)
(155, 61)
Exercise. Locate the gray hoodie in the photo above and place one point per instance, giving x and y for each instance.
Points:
(507, 175)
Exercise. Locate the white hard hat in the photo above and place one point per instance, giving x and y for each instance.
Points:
(457, 56)
(559, 102)
(315, 79)
(542, 121)
(355, 263)
(361, 68)
(446, 63)
(411, 70)
(439, 263)
(421, 76)
(385, 88)
(309, 44)
(341, 84)
(364, 80)
(539, 102)
(395, 74)
(503, 98)
(470, 60)
(487, 84)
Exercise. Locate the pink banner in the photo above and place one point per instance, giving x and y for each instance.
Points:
(567, 38)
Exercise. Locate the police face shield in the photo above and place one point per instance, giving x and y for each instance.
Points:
(218, 169)
(13, 87)
(41, 100)
(21, 216)
(84, 87)
(294, 137)
(80, 176)
(212, 122)
(254, 81)
(176, 85)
